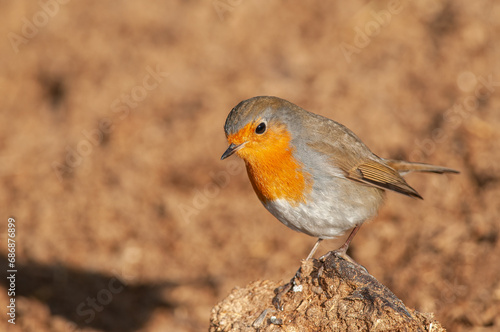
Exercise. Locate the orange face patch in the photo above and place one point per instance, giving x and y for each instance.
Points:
(271, 166)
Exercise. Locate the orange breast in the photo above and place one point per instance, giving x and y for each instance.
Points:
(273, 170)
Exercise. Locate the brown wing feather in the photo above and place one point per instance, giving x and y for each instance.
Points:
(382, 176)
(404, 167)
(360, 164)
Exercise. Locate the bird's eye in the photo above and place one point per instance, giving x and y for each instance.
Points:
(261, 128)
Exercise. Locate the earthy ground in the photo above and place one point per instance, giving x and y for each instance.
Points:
(111, 133)
(328, 295)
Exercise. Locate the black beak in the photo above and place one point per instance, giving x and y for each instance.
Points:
(231, 149)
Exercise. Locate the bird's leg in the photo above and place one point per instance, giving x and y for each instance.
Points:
(342, 251)
(313, 250)
(282, 290)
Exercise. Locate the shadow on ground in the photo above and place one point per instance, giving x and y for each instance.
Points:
(92, 299)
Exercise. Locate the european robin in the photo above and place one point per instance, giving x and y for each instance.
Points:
(312, 173)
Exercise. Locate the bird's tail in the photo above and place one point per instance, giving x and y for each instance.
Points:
(403, 167)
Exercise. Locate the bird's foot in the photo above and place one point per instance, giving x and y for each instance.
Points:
(342, 254)
(280, 292)
(303, 272)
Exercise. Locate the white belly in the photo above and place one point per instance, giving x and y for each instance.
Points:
(324, 216)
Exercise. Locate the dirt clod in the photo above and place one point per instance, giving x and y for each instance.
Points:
(348, 299)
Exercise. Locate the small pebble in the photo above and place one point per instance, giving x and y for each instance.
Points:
(276, 321)
(258, 322)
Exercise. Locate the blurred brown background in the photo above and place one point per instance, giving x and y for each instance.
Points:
(112, 120)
